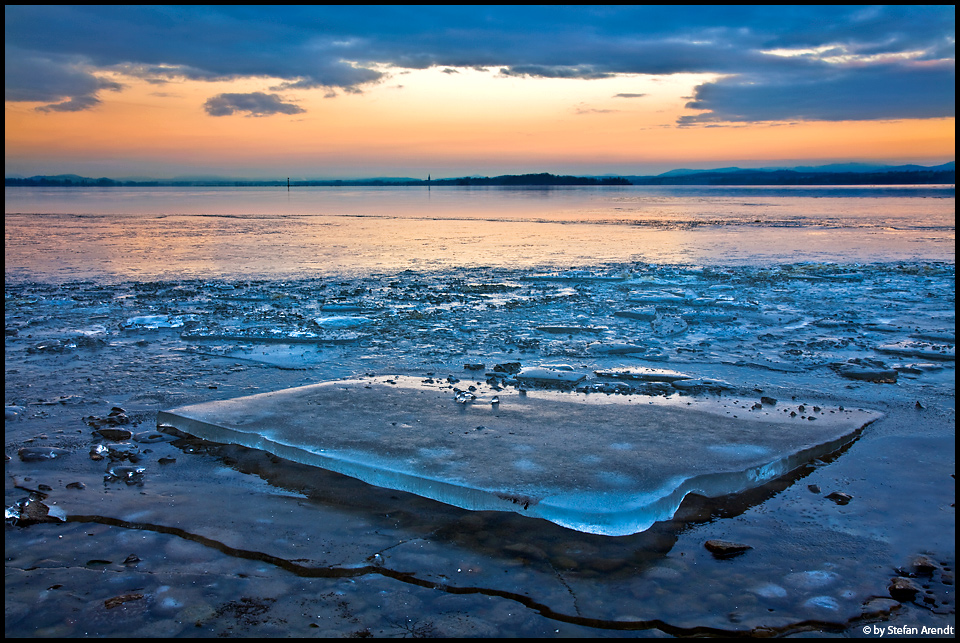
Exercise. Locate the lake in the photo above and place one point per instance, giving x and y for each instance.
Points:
(169, 233)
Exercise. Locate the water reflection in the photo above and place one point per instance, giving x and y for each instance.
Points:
(161, 233)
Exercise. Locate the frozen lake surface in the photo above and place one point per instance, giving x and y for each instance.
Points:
(120, 305)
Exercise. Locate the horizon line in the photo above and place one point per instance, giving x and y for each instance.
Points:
(868, 167)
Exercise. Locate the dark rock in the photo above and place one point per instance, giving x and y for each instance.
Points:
(123, 451)
(474, 367)
(768, 400)
(879, 606)
(150, 437)
(903, 589)
(114, 434)
(923, 565)
(814, 488)
(507, 367)
(116, 601)
(725, 548)
(116, 417)
(839, 497)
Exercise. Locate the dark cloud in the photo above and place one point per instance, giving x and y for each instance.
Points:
(67, 85)
(75, 104)
(770, 56)
(629, 95)
(878, 93)
(254, 103)
(556, 71)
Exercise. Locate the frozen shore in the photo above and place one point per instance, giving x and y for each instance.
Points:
(148, 535)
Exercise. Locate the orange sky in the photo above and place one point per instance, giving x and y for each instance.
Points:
(415, 122)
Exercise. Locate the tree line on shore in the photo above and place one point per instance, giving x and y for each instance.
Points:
(742, 177)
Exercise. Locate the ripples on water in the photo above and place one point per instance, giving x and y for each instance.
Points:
(141, 233)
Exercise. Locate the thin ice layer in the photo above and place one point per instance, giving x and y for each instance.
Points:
(600, 464)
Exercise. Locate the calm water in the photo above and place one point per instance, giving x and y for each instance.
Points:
(117, 234)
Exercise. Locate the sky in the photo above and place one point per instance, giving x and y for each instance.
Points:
(376, 91)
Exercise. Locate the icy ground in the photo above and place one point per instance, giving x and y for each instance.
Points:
(332, 554)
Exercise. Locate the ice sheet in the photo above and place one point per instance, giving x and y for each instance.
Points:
(595, 463)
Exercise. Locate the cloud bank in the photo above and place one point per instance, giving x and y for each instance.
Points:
(793, 62)
(254, 103)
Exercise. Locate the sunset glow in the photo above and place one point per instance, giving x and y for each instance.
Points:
(165, 117)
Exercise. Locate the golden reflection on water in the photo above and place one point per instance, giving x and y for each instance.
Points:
(168, 234)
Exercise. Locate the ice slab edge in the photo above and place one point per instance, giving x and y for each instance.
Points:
(610, 465)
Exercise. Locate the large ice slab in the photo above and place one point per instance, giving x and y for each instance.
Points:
(595, 463)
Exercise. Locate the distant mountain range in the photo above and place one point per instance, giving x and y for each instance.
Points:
(833, 168)
(835, 174)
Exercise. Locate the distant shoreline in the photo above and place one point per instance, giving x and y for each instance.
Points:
(720, 178)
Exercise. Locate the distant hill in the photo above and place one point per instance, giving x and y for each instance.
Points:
(829, 169)
(684, 171)
(835, 174)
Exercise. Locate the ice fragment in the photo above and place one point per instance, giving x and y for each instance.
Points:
(533, 446)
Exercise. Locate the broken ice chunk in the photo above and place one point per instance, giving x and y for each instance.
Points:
(645, 375)
(341, 321)
(569, 330)
(702, 384)
(28, 511)
(576, 275)
(708, 317)
(866, 371)
(925, 350)
(576, 469)
(38, 454)
(615, 348)
(656, 298)
(341, 307)
(645, 313)
(277, 335)
(551, 375)
(152, 322)
(668, 325)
